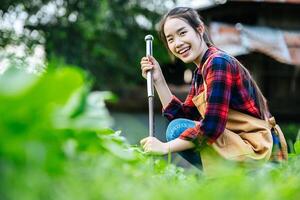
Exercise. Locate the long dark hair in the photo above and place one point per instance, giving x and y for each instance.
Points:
(191, 17)
(260, 98)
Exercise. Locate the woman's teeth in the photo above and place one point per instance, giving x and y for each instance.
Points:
(184, 50)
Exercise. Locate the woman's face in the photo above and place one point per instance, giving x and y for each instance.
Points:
(183, 41)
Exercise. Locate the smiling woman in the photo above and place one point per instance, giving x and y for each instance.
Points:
(224, 110)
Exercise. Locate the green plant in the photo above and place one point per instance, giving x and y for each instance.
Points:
(56, 143)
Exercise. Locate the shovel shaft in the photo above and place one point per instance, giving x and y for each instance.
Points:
(149, 52)
(150, 89)
(151, 116)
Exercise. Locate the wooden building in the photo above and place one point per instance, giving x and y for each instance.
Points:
(265, 36)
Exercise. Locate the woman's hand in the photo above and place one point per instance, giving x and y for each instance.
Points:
(154, 146)
(150, 63)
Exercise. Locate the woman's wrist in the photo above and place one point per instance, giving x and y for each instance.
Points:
(159, 81)
(167, 148)
(179, 145)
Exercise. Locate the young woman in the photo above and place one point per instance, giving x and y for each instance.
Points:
(224, 110)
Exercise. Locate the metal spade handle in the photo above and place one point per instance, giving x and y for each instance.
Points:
(150, 89)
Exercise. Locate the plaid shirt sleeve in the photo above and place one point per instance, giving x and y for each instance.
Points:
(178, 109)
(219, 77)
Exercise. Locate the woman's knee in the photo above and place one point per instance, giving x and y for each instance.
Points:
(176, 127)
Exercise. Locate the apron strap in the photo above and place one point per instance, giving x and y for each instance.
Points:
(279, 133)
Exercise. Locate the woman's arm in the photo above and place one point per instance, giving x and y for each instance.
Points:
(164, 93)
(154, 146)
(172, 106)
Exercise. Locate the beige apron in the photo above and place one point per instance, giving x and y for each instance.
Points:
(244, 139)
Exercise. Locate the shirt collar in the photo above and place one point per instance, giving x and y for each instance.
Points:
(209, 51)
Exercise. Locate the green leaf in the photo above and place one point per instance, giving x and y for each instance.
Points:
(297, 147)
(84, 112)
(119, 151)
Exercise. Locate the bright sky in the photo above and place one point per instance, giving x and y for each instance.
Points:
(196, 3)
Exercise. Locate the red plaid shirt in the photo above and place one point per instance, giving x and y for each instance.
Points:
(227, 87)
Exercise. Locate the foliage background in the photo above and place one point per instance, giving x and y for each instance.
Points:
(104, 37)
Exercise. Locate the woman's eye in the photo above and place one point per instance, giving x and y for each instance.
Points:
(182, 33)
(170, 40)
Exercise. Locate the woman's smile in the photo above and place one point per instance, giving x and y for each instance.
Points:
(184, 52)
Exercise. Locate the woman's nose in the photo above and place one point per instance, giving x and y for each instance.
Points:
(178, 43)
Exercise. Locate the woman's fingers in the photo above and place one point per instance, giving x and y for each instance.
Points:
(146, 65)
(145, 62)
(151, 59)
(146, 147)
(146, 59)
(147, 68)
(147, 143)
(143, 141)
